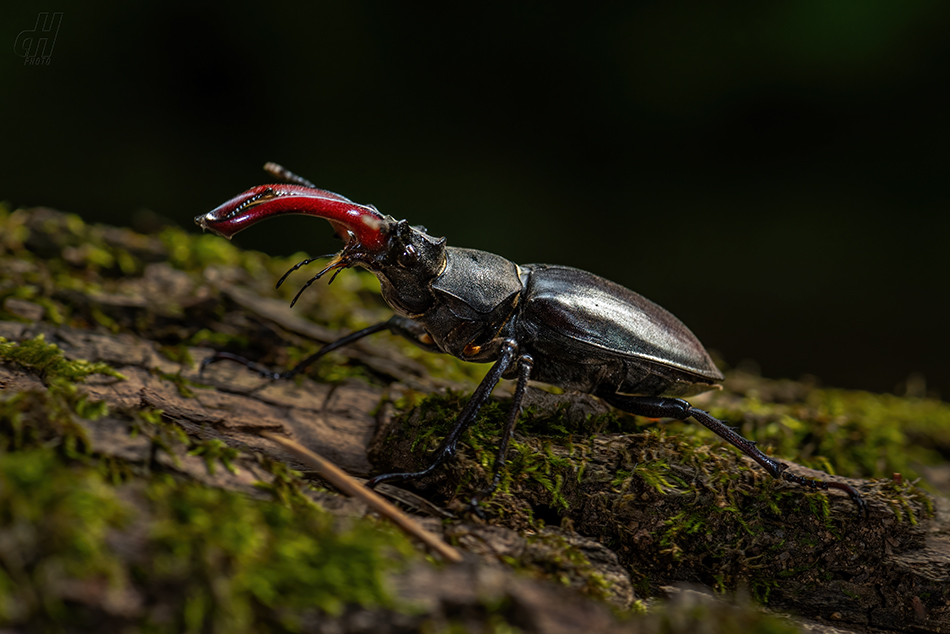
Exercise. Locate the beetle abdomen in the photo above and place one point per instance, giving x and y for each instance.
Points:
(580, 318)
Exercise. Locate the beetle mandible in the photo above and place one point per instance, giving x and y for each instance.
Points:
(553, 324)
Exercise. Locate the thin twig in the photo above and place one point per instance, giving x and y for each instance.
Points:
(347, 485)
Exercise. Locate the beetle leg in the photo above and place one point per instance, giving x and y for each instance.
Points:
(660, 407)
(446, 450)
(525, 365)
(303, 365)
(402, 326)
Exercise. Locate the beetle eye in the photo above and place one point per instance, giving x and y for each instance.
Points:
(409, 256)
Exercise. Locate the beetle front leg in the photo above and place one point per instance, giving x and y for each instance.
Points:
(660, 407)
(446, 450)
(300, 367)
(397, 325)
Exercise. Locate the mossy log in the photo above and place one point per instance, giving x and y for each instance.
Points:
(136, 492)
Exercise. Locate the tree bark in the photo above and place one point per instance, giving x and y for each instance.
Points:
(618, 510)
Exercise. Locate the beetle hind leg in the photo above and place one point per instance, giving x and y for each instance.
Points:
(663, 407)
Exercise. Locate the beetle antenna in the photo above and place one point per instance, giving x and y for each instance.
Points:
(302, 263)
(285, 174)
(305, 287)
(339, 263)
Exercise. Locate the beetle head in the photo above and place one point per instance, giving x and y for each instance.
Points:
(411, 260)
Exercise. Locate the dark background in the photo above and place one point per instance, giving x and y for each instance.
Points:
(773, 173)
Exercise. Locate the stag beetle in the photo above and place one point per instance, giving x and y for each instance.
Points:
(553, 324)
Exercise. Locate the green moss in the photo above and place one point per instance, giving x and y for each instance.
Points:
(287, 485)
(188, 251)
(687, 615)
(150, 422)
(904, 498)
(198, 558)
(206, 337)
(682, 525)
(30, 419)
(54, 524)
(56, 312)
(656, 474)
(556, 423)
(436, 414)
(761, 588)
(724, 522)
(115, 470)
(848, 432)
(716, 516)
(527, 465)
(13, 229)
(104, 320)
(549, 555)
(169, 438)
(238, 564)
(48, 361)
(178, 353)
(533, 461)
(214, 451)
(183, 384)
(212, 561)
(204, 559)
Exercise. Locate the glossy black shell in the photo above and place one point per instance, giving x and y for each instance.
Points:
(599, 337)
